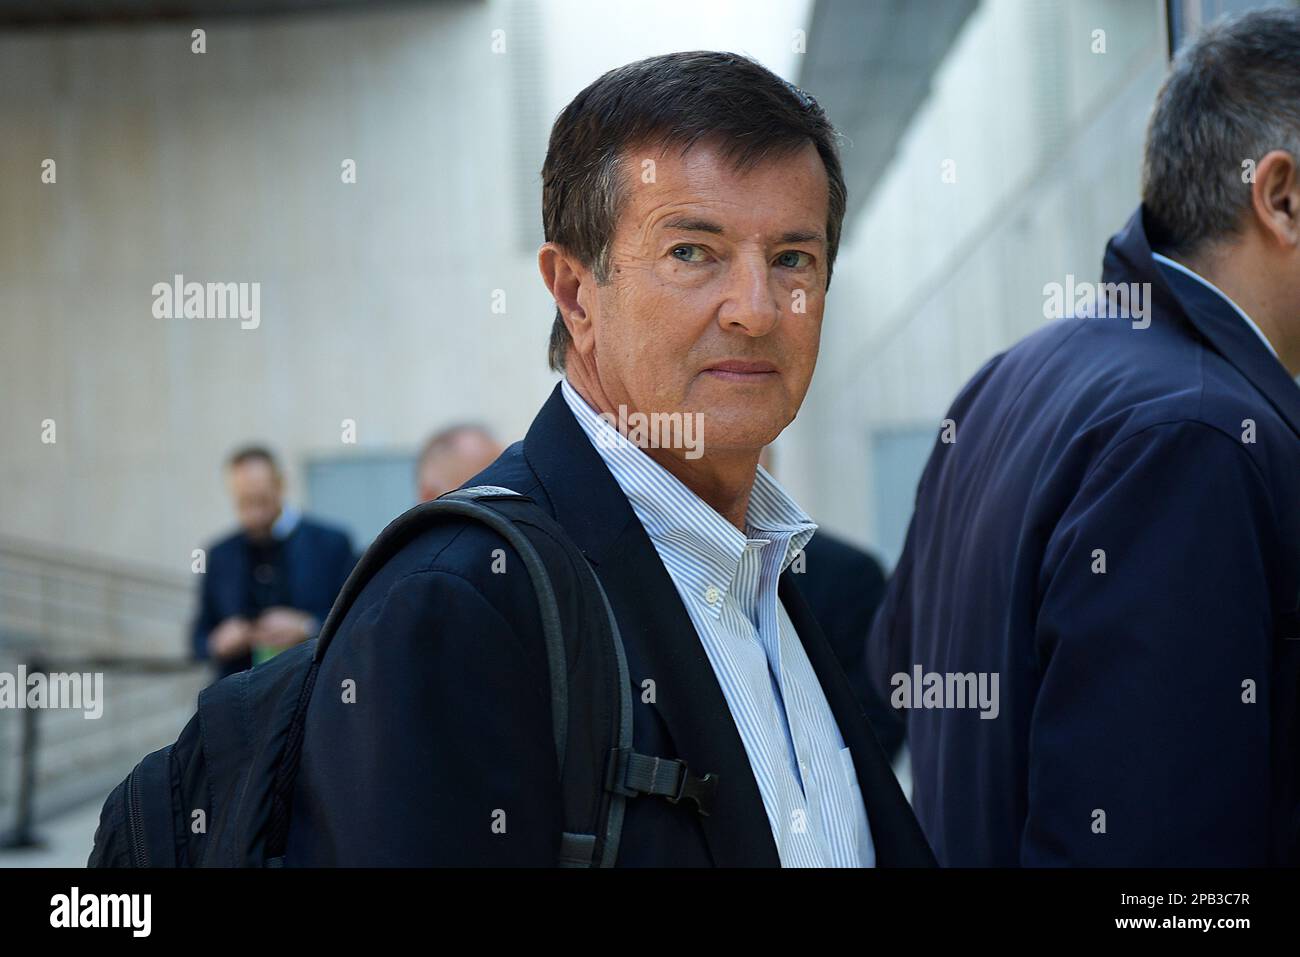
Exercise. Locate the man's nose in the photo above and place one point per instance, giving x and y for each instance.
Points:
(752, 305)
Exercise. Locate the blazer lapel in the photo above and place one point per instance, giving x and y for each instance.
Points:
(299, 562)
(660, 641)
(897, 836)
(234, 583)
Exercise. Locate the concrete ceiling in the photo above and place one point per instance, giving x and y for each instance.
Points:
(57, 12)
(869, 64)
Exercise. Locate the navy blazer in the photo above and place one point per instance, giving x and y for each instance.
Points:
(451, 721)
(318, 559)
(1116, 533)
(844, 587)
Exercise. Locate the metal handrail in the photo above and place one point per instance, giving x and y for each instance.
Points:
(64, 611)
(60, 599)
(23, 833)
(136, 572)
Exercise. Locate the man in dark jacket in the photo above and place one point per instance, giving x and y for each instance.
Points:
(270, 585)
(692, 206)
(1107, 534)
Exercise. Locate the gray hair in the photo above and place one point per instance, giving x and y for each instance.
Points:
(1231, 97)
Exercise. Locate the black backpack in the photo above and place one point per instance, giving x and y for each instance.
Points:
(220, 795)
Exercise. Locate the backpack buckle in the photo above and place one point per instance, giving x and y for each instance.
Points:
(695, 788)
(631, 774)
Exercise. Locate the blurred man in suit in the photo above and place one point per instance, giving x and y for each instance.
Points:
(1110, 522)
(844, 586)
(693, 295)
(453, 455)
(269, 585)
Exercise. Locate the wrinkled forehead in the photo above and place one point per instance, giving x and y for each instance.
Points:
(785, 186)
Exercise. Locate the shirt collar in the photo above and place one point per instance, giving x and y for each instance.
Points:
(1209, 285)
(707, 546)
(284, 526)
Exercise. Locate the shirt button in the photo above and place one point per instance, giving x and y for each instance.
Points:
(711, 595)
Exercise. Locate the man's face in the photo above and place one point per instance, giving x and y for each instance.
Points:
(714, 302)
(255, 490)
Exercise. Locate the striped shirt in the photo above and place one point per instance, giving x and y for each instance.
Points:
(728, 582)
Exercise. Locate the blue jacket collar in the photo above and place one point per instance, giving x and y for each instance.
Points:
(1176, 297)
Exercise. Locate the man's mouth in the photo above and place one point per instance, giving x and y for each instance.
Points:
(738, 370)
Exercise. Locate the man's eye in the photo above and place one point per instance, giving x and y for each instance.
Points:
(691, 252)
(785, 259)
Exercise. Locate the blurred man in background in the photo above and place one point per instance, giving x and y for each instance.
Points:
(453, 456)
(269, 585)
(1110, 522)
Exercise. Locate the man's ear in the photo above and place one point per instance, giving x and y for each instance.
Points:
(1275, 197)
(565, 277)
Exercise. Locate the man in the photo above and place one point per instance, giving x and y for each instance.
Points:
(692, 206)
(844, 587)
(1110, 523)
(270, 585)
(451, 456)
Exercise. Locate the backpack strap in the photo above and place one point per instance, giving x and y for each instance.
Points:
(577, 848)
(625, 773)
(471, 503)
(463, 504)
(632, 774)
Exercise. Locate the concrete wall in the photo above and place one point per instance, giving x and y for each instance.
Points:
(376, 297)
